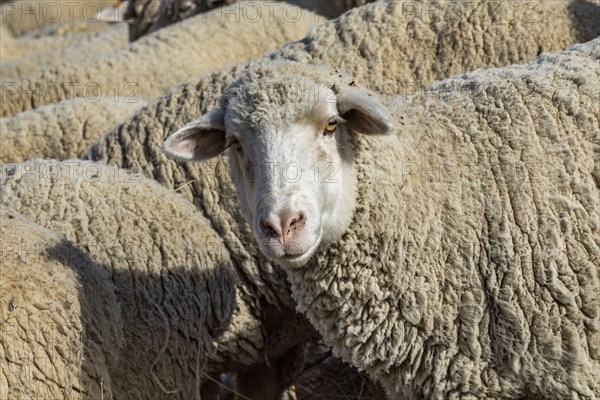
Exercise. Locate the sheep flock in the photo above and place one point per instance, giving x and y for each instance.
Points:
(299, 199)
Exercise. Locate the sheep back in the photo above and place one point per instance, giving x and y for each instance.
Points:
(61, 325)
(64, 130)
(471, 265)
(173, 277)
(145, 69)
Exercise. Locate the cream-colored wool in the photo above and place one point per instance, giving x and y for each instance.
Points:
(31, 54)
(136, 143)
(157, 61)
(52, 40)
(147, 16)
(62, 131)
(25, 16)
(471, 267)
(421, 58)
(173, 276)
(407, 50)
(61, 326)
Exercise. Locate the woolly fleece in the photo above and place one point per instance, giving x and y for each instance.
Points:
(401, 50)
(174, 280)
(26, 16)
(149, 15)
(157, 61)
(470, 269)
(60, 331)
(62, 131)
(28, 55)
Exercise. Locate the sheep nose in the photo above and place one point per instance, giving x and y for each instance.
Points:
(283, 226)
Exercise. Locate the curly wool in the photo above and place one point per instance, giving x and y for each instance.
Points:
(415, 57)
(470, 269)
(173, 277)
(148, 16)
(136, 143)
(62, 131)
(61, 326)
(145, 68)
(28, 55)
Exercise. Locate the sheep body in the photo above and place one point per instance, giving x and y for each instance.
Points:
(60, 331)
(410, 45)
(33, 54)
(136, 143)
(147, 16)
(470, 269)
(63, 130)
(51, 39)
(172, 275)
(147, 64)
(26, 16)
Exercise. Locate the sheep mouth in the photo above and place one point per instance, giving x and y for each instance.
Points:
(298, 260)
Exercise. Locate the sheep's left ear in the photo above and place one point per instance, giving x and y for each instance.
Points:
(199, 140)
(364, 112)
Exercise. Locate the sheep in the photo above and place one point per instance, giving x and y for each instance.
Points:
(25, 16)
(49, 40)
(423, 52)
(135, 144)
(147, 16)
(147, 64)
(458, 258)
(166, 260)
(60, 321)
(63, 130)
(35, 54)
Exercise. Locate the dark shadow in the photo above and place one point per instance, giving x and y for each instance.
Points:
(153, 331)
(157, 330)
(146, 16)
(586, 20)
(327, 8)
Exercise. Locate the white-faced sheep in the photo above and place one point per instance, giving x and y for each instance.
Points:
(62, 131)
(145, 68)
(135, 144)
(456, 259)
(60, 324)
(173, 278)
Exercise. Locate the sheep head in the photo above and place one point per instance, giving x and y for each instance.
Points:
(290, 132)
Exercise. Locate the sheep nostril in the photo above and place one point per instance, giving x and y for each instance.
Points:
(296, 222)
(269, 229)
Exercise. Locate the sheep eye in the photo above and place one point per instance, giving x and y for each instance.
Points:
(330, 127)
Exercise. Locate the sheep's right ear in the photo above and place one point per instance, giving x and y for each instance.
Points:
(199, 140)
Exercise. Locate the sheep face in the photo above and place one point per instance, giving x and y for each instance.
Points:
(291, 148)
